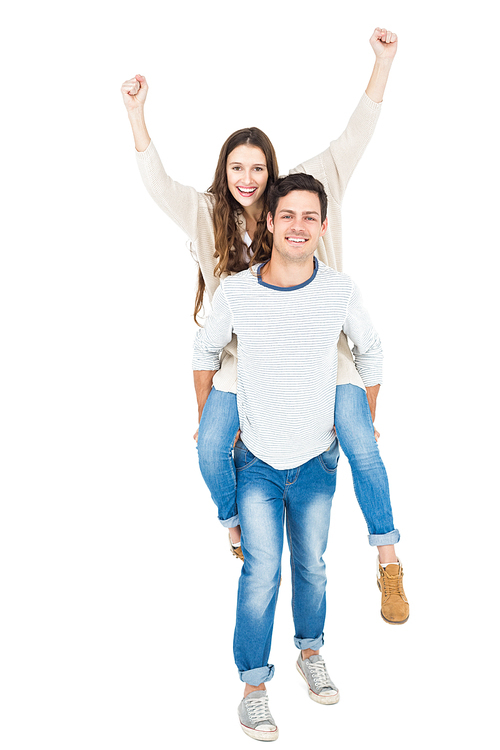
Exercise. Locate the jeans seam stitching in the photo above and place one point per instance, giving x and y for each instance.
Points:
(292, 564)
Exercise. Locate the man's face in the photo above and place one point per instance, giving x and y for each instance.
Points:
(297, 226)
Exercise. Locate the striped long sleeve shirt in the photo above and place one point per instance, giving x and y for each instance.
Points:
(287, 357)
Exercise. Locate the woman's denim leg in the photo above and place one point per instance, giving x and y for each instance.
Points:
(218, 427)
(354, 428)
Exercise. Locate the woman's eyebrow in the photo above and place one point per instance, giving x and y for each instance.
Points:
(239, 163)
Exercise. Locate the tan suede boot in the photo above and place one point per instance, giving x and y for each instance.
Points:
(395, 607)
(236, 551)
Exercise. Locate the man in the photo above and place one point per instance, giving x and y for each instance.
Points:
(287, 315)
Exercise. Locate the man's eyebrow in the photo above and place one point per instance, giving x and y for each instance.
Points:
(304, 213)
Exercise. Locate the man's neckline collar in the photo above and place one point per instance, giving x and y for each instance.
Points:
(287, 288)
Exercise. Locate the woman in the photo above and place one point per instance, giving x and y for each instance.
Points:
(227, 228)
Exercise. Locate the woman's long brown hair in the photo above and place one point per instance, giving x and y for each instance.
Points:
(229, 246)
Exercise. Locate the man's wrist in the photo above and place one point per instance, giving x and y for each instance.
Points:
(371, 395)
(203, 380)
(202, 400)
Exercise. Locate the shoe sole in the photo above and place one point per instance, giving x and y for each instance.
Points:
(394, 622)
(256, 734)
(325, 700)
(391, 622)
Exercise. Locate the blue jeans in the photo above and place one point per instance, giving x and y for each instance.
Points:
(354, 426)
(219, 425)
(266, 498)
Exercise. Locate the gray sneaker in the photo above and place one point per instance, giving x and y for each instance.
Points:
(314, 672)
(255, 717)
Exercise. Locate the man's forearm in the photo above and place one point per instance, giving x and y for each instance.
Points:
(202, 385)
(371, 395)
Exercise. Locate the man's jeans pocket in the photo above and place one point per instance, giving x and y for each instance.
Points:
(330, 458)
(243, 458)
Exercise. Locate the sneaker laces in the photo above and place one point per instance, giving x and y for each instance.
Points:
(258, 709)
(320, 675)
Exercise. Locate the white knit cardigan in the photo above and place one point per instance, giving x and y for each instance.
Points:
(193, 211)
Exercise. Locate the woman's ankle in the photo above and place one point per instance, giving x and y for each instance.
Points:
(235, 534)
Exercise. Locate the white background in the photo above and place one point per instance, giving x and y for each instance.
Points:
(117, 589)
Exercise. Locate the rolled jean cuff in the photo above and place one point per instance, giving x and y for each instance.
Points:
(314, 643)
(230, 523)
(256, 676)
(380, 540)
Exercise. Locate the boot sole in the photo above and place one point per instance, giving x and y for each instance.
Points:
(394, 622)
(326, 700)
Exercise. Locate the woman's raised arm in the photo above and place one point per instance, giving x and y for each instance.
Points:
(335, 166)
(134, 94)
(385, 45)
(178, 201)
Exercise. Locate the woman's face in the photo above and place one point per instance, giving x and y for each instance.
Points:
(246, 171)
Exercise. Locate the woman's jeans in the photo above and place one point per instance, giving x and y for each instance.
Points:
(219, 425)
(267, 497)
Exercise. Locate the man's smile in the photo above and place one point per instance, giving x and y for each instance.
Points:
(294, 240)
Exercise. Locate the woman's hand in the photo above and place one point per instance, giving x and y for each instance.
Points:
(134, 93)
(384, 44)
